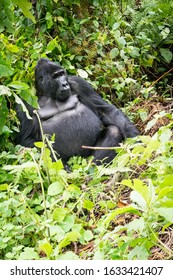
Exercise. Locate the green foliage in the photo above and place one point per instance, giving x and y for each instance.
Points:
(56, 208)
(120, 211)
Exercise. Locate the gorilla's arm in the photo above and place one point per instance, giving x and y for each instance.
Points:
(109, 114)
(29, 128)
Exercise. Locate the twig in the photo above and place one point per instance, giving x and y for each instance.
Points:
(160, 77)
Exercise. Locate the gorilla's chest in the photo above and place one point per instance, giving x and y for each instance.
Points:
(73, 129)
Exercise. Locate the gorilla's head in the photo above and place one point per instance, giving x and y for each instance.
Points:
(51, 80)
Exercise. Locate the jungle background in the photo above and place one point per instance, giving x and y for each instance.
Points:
(122, 211)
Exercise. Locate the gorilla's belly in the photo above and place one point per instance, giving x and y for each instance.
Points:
(73, 129)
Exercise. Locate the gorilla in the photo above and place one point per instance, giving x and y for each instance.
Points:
(75, 113)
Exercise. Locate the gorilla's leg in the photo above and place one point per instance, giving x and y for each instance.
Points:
(111, 138)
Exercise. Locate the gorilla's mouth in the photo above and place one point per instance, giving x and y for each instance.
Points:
(63, 95)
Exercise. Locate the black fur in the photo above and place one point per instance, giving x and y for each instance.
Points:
(70, 108)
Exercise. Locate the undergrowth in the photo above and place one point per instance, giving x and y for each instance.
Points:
(120, 211)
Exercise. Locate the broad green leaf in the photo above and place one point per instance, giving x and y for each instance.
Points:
(139, 200)
(167, 55)
(57, 232)
(3, 187)
(82, 73)
(18, 85)
(61, 19)
(167, 213)
(96, 23)
(87, 204)
(5, 90)
(22, 166)
(69, 256)
(138, 186)
(70, 237)
(114, 53)
(152, 146)
(113, 214)
(52, 45)
(5, 69)
(46, 248)
(67, 223)
(167, 181)
(25, 6)
(59, 214)
(115, 25)
(165, 191)
(150, 124)
(121, 41)
(137, 225)
(13, 48)
(55, 188)
(19, 101)
(88, 235)
(39, 145)
(28, 254)
(165, 135)
(99, 255)
(49, 20)
(135, 53)
(140, 252)
(165, 32)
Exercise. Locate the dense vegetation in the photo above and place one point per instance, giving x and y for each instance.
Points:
(121, 211)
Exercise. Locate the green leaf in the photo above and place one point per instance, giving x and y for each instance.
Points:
(39, 145)
(121, 41)
(5, 69)
(28, 254)
(18, 85)
(113, 214)
(3, 187)
(165, 191)
(167, 213)
(115, 26)
(19, 101)
(70, 237)
(59, 214)
(150, 124)
(52, 45)
(99, 255)
(96, 23)
(20, 167)
(88, 235)
(46, 248)
(49, 20)
(12, 48)
(82, 73)
(67, 223)
(167, 55)
(87, 204)
(25, 6)
(114, 53)
(68, 256)
(138, 186)
(5, 91)
(140, 252)
(55, 188)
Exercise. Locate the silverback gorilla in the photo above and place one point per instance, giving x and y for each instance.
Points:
(75, 113)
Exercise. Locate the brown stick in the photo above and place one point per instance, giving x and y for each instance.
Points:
(160, 77)
(99, 148)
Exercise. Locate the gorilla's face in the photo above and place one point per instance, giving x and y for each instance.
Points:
(51, 80)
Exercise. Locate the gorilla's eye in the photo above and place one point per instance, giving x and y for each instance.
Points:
(58, 74)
